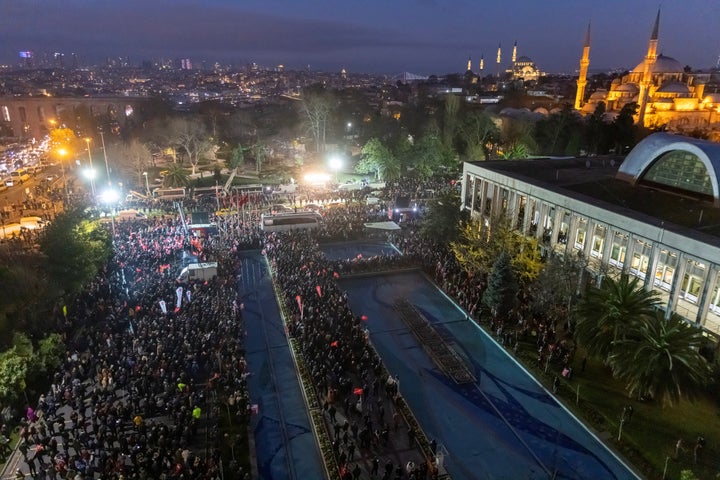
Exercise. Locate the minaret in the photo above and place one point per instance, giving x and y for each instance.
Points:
(482, 64)
(469, 66)
(499, 54)
(514, 57)
(646, 81)
(582, 78)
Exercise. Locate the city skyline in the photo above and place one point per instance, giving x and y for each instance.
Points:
(419, 36)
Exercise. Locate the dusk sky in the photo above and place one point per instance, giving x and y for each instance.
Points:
(374, 36)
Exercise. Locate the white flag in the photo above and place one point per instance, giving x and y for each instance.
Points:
(163, 307)
(179, 297)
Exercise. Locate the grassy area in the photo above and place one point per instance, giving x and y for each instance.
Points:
(649, 438)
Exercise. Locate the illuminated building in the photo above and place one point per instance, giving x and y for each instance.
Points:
(668, 95)
(654, 215)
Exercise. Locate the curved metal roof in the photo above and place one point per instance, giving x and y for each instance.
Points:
(653, 146)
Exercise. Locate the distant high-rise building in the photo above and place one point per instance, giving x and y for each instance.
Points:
(185, 64)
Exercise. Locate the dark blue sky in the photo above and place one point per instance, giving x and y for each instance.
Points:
(378, 36)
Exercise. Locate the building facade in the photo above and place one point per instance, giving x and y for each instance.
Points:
(652, 215)
(669, 95)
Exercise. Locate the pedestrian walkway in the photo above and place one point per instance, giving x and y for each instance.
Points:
(505, 425)
(285, 443)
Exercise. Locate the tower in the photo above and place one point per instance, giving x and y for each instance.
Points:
(482, 64)
(499, 54)
(582, 78)
(646, 81)
(469, 65)
(514, 55)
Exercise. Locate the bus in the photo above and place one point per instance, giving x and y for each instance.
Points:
(169, 193)
(20, 175)
(283, 222)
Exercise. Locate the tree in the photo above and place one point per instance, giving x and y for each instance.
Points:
(74, 249)
(450, 119)
(444, 218)
(553, 291)
(259, 152)
(624, 131)
(557, 132)
(481, 243)
(661, 359)
(378, 159)
(132, 158)
(501, 294)
(317, 105)
(479, 133)
(175, 177)
(190, 136)
(605, 314)
(430, 155)
(15, 363)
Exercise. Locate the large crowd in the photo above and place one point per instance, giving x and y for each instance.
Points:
(147, 354)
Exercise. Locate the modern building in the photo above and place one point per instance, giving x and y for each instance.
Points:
(668, 94)
(654, 214)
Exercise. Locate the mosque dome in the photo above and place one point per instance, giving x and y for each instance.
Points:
(663, 64)
(627, 87)
(524, 59)
(674, 87)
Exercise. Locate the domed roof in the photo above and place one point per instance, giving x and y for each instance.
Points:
(712, 98)
(663, 64)
(628, 87)
(524, 59)
(674, 87)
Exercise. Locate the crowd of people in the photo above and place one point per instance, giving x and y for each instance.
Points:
(146, 358)
(147, 354)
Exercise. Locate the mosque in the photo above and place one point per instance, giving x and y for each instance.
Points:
(669, 96)
(521, 68)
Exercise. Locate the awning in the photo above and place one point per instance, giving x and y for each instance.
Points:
(388, 226)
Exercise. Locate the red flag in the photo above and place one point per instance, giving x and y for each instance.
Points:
(336, 275)
(358, 391)
(298, 299)
(334, 344)
(318, 290)
(364, 318)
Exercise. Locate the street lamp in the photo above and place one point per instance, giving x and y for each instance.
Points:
(61, 154)
(336, 164)
(110, 197)
(91, 172)
(147, 185)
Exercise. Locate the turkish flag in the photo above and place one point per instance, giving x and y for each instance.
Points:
(318, 290)
(358, 391)
(334, 344)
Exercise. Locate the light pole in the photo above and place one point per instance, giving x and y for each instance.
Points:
(61, 154)
(335, 165)
(92, 169)
(147, 185)
(107, 168)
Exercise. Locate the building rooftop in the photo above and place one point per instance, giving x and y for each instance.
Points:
(593, 180)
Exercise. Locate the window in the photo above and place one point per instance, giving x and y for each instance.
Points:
(680, 170)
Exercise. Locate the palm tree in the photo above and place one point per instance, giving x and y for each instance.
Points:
(176, 177)
(661, 359)
(606, 313)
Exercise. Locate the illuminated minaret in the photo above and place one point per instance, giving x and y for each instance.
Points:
(514, 57)
(469, 67)
(482, 64)
(582, 78)
(646, 81)
(499, 55)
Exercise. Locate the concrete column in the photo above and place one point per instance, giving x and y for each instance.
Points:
(556, 224)
(526, 215)
(709, 284)
(678, 277)
(607, 246)
(589, 232)
(649, 283)
(629, 251)
(541, 209)
(572, 233)
(483, 197)
(473, 195)
(513, 206)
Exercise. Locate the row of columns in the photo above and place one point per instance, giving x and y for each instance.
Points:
(481, 190)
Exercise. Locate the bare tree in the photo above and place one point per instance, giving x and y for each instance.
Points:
(132, 159)
(190, 137)
(317, 105)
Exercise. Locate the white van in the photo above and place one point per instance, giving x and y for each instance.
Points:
(32, 223)
(198, 271)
